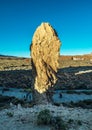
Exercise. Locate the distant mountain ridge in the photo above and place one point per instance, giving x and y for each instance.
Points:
(8, 56)
(87, 56)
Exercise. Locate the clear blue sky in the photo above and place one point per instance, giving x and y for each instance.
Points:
(72, 19)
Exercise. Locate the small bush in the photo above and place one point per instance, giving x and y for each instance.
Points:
(17, 101)
(9, 114)
(79, 122)
(70, 121)
(56, 104)
(44, 117)
(58, 123)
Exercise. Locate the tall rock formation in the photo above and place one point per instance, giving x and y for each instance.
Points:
(45, 54)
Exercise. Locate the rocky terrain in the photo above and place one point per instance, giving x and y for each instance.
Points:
(19, 118)
(16, 72)
(45, 54)
(38, 82)
(44, 49)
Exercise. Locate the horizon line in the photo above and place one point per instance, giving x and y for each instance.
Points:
(28, 56)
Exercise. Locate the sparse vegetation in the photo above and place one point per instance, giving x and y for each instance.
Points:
(58, 123)
(17, 101)
(70, 121)
(44, 117)
(79, 122)
(14, 68)
(10, 114)
(83, 104)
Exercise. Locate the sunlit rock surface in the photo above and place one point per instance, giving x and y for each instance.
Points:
(45, 54)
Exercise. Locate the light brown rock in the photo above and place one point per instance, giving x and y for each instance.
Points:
(45, 54)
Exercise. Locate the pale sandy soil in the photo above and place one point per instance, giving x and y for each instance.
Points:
(25, 118)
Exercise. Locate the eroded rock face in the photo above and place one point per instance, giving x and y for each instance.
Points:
(45, 54)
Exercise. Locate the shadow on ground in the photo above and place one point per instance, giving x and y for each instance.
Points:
(68, 78)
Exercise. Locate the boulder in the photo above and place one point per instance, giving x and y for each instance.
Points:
(45, 55)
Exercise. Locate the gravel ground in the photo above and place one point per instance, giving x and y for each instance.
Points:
(25, 118)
